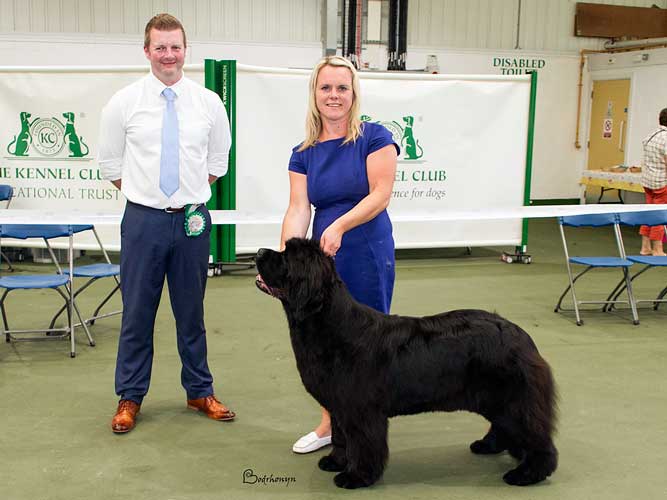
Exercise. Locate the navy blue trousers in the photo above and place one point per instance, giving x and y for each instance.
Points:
(154, 246)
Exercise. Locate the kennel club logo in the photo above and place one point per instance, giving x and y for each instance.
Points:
(53, 137)
(404, 135)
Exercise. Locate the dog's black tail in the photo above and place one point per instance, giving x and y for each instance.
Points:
(537, 414)
(541, 408)
(535, 401)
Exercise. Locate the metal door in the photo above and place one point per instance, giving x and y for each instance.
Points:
(609, 118)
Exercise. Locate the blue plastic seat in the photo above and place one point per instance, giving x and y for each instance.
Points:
(601, 261)
(594, 262)
(648, 218)
(33, 282)
(60, 282)
(97, 270)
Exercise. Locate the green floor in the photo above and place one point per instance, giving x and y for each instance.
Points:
(55, 441)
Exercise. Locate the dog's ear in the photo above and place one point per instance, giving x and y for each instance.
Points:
(310, 276)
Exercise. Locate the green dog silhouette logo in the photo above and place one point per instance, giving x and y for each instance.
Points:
(403, 135)
(73, 141)
(408, 140)
(22, 141)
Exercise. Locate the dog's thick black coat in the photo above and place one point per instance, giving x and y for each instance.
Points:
(364, 366)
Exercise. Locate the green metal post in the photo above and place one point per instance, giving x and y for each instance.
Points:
(228, 199)
(529, 156)
(220, 77)
(211, 82)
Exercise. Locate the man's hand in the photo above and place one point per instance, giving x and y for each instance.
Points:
(212, 179)
(117, 183)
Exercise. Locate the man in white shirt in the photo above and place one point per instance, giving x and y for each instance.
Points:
(163, 140)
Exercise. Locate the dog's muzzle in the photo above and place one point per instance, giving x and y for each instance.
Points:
(273, 292)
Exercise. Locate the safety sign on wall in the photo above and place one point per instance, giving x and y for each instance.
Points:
(608, 122)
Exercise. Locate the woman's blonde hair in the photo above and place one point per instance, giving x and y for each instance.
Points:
(313, 119)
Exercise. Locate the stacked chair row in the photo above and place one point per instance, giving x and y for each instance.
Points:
(620, 260)
(61, 281)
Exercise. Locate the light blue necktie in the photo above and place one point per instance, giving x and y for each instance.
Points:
(169, 154)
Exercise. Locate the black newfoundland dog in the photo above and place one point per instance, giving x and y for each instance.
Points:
(364, 367)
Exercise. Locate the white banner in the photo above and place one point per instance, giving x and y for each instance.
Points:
(462, 138)
(463, 147)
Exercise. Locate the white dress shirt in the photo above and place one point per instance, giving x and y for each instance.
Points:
(130, 141)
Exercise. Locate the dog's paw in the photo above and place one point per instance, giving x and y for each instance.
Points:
(484, 447)
(523, 476)
(330, 464)
(350, 481)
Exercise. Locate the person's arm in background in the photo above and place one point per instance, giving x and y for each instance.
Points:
(381, 170)
(219, 143)
(297, 216)
(112, 142)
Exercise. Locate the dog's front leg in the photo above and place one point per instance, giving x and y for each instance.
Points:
(366, 450)
(337, 459)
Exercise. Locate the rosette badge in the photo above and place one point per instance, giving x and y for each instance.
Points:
(195, 223)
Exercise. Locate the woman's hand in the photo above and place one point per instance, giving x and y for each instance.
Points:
(331, 239)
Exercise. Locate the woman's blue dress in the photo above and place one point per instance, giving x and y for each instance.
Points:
(337, 180)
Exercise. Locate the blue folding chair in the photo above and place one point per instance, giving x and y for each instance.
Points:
(648, 218)
(60, 282)
(93, 273)
(594, 262)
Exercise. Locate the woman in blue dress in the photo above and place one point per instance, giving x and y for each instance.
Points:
(345, 169)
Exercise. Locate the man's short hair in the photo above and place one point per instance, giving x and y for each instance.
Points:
(162, 22)
(663, 117)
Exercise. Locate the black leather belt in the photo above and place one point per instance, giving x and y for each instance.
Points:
(174, 210)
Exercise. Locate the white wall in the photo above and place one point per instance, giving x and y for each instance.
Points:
(94, 50)
(496, 24)
(469, 24)
(218, 20)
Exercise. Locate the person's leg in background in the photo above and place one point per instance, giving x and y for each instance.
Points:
(645, 230)
(658, 232)
(652, 237)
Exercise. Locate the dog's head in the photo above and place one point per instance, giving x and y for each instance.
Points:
(301, 276)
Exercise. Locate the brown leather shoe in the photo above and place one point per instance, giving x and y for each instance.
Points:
(212, 407)
(125, 417)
